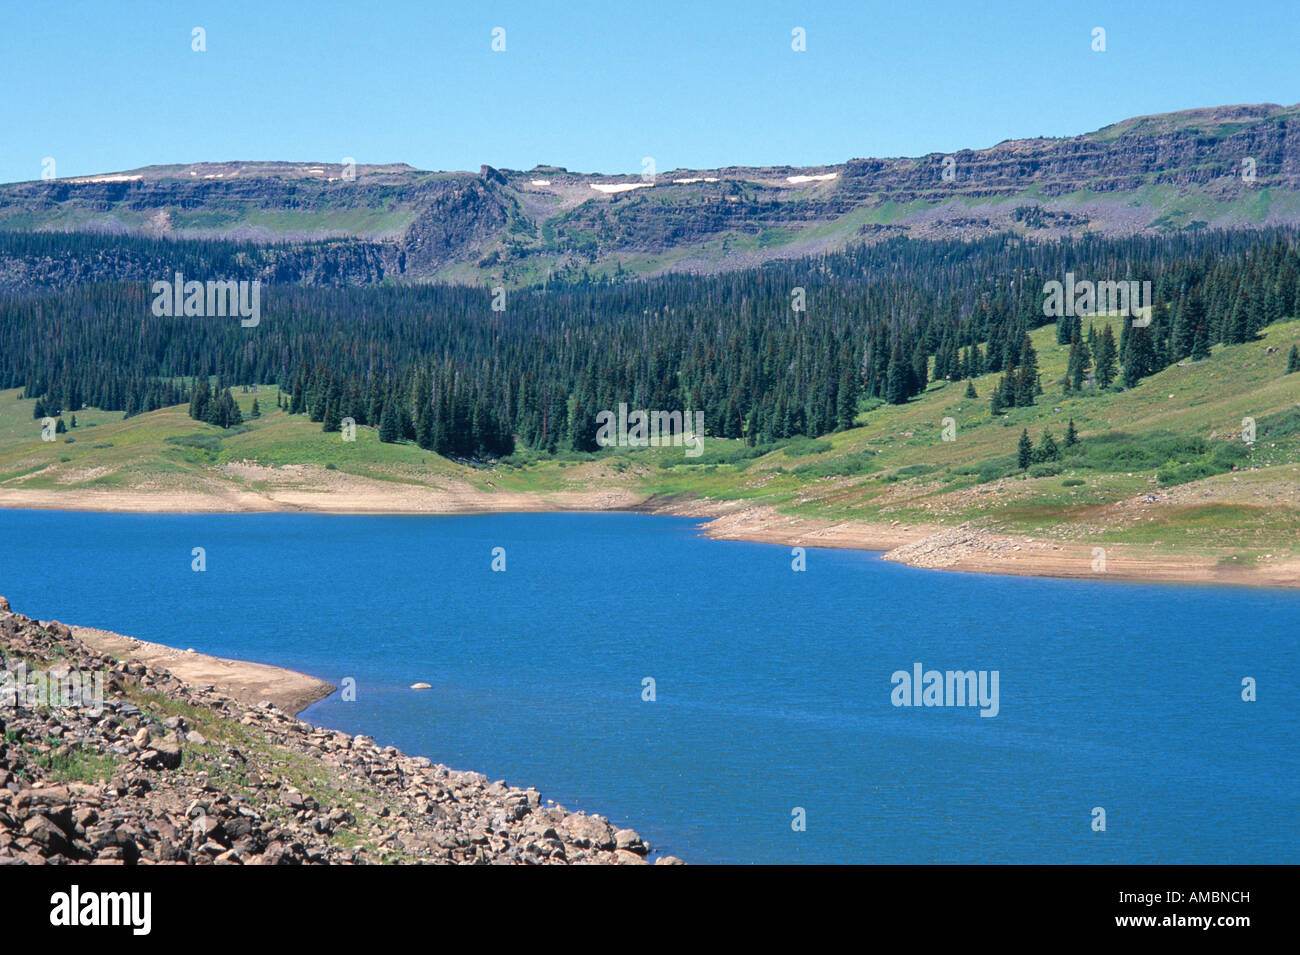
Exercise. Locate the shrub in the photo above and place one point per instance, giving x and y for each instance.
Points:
(915, 470)
(840, 467)
(211, 443)
(801, 447)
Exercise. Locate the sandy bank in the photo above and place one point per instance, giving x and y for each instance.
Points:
(369, 497)
(249, 683)
(968, 548)
(974, 549)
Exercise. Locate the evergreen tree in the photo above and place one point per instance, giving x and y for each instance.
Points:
(846, 404)
(1200, 344)
(1292, 366)
(1077, 366)
(1027, 384)
(390, 429)
(970, 390)
(1141, 360)
(1047, 449)
(332, 421)
(896, 383)
(1071, 435)
(1104, 358)
(1025, 451)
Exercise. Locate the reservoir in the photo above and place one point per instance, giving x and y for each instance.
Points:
(728, 707)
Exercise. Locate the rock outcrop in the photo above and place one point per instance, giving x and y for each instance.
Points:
(1225, 167)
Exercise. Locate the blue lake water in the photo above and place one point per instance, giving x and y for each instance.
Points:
(773, 688)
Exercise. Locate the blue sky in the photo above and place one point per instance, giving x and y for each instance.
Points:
(596, 86)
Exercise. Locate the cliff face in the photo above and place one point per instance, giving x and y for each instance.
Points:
(1232, 167)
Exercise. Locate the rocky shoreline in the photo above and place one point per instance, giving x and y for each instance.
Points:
(171, 772)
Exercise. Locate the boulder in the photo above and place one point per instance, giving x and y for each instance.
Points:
(165, 754)
(589, 832)
(630, 840)
(45, 834)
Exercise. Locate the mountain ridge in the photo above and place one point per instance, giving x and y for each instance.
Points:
(1212, 167)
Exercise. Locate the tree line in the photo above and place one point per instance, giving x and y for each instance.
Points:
(435, 364)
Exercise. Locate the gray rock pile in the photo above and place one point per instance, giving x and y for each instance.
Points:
(168, 772)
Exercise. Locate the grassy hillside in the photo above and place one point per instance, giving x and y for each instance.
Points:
(1161, 464)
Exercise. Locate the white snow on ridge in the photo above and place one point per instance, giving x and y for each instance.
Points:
(107, 179)
(610, 187)
(539, 182)
(686, 182)
(824, 178)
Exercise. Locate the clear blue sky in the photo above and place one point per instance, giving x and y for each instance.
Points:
(596, 86)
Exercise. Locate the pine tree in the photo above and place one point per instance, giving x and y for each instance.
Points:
(920, 369)
(1078, 365)
(1141, 359)
(1027, 384)
(1292, 366)
(332, 420)
(896, 390)
(255, 411)
(390, 429)
(970, 389)
(1025, 451)
(1104, 358)
(1047, 449)
(1200, 344)
(846, 404)
(1071, 435)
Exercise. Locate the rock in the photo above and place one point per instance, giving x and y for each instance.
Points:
(45, 834)
(589, 832)
(629, 839)
(49, 795)
(669, 860)
(191, 814)
(169, 753)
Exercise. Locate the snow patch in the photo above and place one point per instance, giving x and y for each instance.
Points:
(610, 187)
(107, 179)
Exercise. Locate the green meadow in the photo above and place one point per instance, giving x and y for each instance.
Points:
(1161, 464)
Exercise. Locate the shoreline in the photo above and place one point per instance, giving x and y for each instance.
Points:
(965, 548)
(249, 683)
(165, 770)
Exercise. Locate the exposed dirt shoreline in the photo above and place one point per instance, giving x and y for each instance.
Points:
(249, 683)
(967, 548)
